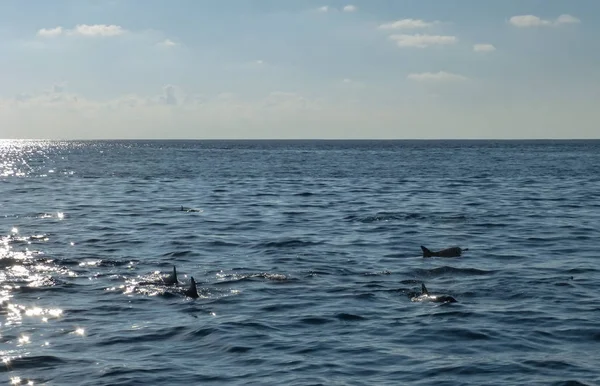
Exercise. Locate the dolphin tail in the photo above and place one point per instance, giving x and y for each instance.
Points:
(426, 252)
(424, 289)
(192, 292)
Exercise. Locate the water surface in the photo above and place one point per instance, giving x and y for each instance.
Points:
(306, 255)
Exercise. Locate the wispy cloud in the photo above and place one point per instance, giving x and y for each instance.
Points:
(168, 43)
(422, 41)
(350, 8)
(484, 48)
(324, 8)
(406, 24)
(83, 30)
(50, 32)
(527, 21)
(441, 76)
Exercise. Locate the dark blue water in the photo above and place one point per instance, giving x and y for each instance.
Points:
(306, 256)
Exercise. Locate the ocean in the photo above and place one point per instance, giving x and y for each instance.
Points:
(307, 258)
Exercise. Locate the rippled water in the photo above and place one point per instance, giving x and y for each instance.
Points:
(306, 256)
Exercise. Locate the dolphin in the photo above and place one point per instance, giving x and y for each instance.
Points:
(189, 209)
(192, 291)
(448, 252)
(425, 297)
(171, 278)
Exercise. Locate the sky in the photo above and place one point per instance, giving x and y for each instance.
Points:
(296, 69)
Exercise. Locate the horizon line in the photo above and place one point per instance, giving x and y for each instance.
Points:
(299, 139)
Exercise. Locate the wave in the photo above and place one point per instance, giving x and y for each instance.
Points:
(451, 271)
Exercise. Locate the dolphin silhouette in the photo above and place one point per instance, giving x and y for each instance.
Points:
(448, 252)
(189, 209)
(171, 278)
(192, 291)
(426, 297)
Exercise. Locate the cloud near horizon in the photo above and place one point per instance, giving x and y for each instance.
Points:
(484, 47)
(406, 24)
(527, 21)
(422, 41)
(441, 76)
(83, 30)
(277, 114)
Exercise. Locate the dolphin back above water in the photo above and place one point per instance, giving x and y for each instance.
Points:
(192, 291)
(426, 297)
(448, 252)
(189, 209)
(171, 278)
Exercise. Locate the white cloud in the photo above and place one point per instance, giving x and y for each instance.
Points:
(526, 21)
(349, 8)
(567, 19)
(484, 48)
(441, 76)
(323, 9)
(168, 43)
(50, 32)
(97, 30)
(406, 24)
(84, 30)
(422, 41)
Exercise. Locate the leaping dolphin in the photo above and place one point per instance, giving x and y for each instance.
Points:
(448, 252)
(425, 297)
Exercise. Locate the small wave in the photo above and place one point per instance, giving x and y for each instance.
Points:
(447, 270)
(386, 272)
(98, 262)
(392, 216)
(304, 194)
(178, 253)
(349, 317)
(314, 320)
(286, 243)
(410, 282)
(238, 349)
(237, 277)
(202, 332)
(569, 383)
(165, 334)
(463, 333)
(380, 217)
(368, 295)
(553, 364)
(265, 195)
(36, 362)
(222, 243)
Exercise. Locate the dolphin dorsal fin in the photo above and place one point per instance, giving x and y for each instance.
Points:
(426, 252)
(174, 275)
(192, 292)
(424, 289)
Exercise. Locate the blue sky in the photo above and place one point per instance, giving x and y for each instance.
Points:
(299, 69)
